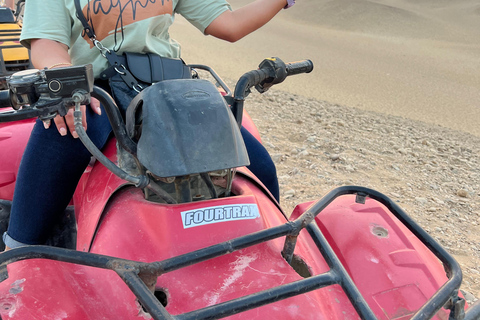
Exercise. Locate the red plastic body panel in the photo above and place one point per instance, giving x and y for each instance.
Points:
(133, 228)
(41, 289)
(393, 270)
(91, 196)
(13, 139)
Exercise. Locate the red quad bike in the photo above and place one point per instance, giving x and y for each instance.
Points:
(169, 224)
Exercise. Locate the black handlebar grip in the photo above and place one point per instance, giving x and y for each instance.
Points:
(305, 66)
(258, 76)
(5, 101)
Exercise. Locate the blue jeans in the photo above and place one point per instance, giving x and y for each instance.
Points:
(52, 165)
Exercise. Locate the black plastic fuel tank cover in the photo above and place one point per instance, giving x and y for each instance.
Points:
(188, 128)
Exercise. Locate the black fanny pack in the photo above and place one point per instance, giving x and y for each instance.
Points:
(147, 68)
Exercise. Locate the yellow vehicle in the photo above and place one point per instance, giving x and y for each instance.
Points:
(13, 56)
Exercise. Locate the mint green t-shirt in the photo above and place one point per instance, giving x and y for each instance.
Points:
(121, 25)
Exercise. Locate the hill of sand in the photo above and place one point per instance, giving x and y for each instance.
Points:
(454, 21)
(418, 59)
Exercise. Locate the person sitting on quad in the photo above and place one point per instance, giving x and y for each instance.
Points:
(55, 159)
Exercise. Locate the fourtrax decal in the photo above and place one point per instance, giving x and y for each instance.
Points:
(209, 215)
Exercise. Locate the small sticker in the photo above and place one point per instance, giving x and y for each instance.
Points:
(203, 216)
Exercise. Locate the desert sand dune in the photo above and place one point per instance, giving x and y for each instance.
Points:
(372, 18)
(416, 59)
(440, 20)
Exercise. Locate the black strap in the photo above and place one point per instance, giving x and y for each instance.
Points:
(111, 56)
(88, 29)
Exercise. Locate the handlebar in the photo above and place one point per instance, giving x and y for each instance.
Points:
(44, 111)
(270, 72)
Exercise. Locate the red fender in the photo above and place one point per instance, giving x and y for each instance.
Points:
(13, 139)
(393, 270)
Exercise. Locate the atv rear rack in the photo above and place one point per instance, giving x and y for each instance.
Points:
(136, 274)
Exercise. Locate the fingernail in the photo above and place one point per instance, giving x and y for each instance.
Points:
(74, 134)
(46, 124)
(99, 111)
(63, 131)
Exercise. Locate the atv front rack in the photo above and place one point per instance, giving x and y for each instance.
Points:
(136, 274)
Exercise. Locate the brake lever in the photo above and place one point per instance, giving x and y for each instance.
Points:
(46, 93)
(47, 111)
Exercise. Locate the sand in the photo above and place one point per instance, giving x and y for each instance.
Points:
(418, 59)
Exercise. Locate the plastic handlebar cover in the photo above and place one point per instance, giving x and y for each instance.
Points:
(305, 66)
(5, 101)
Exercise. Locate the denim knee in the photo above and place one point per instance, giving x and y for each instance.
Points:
(12, 243)
(261, 164)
